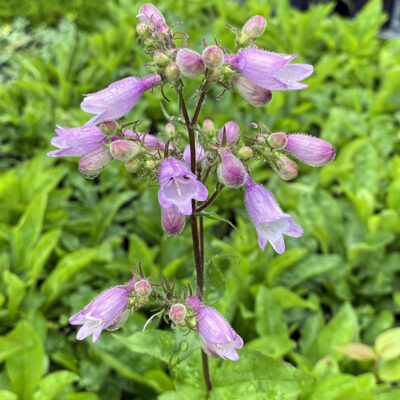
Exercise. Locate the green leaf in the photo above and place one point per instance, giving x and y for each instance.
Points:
(81, 396)
(275, 346)
(7, 395)
(214, 280)
(15, 289)
(10, 346)
(51, 385)
(389, 370)
(214, 216)
(387, 344)
(25, 368)
(288, 299)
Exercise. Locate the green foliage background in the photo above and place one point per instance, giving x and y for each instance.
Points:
(63, 239)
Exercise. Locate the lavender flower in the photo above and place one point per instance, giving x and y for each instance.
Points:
(190, 63)
(230, 172)
(117, 99)
(76, 141)
(268, 218)
(109, 311)
(231, 129)
(93, 163)
(173, 221)
(270, 70)
(309, 149)
(217, 336)
(150, 15)
(178, 186)
(200, 155)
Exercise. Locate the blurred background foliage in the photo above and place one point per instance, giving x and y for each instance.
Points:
(63, 239)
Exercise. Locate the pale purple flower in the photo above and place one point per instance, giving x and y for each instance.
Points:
(173, 221)
(91, 164)
(310, 149)
(109, 311)
(190, 63)
(117, 99)
(268, 218)
(217, 336)
(178, 186)
(200, 155)
(150, 15)
(231, 129)
(230, 172)
(271, 70)
(76, 141)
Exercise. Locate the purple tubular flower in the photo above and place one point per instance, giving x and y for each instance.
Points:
(270, 70)
(91, 164)
(268, 218)
(76, 141)
(173, 221)
(231, 131)
(230, 172)
(309, 149)
(150, 15)
(117, 99)
(200, 155)
(109, 310)
(217, 336)
(178, 186)
(190, 63)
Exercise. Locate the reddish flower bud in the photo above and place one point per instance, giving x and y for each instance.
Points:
(169, 128)
(254, 27)
(213, 57)
(208, 127)
(190, 63)
(143, 288)
(254, 94)
(93, 163)
(231, 172)
(172, 220)
(124, 150)
(277, 140)
(177, 313)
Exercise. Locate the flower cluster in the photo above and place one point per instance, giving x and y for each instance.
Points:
(182, 164)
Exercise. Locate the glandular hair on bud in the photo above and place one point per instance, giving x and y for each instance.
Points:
(172, 73)
(177, 313)
(124, 150)
(245, 153)
(109, 128)
(277, 140)
(93, 163)
(143, 288)
(132, 166)
(213, 57)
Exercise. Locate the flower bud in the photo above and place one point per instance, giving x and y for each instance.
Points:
(177, 313)
(213, 75)
(109, 128)
(170, 129)
(254, 28)
(172, 220)
(143, 288)
(260, 139)
(254, 94)
(93, 163)
(142, 29)
(124, 150)
(132, 166)
(150, 164)
(161, 59)
(208, 127)
(231, 130)
(190, 63)
(277, 140)
(230, 172)
(245, 153)
(285, 167)
(213, 57)
(172, 73)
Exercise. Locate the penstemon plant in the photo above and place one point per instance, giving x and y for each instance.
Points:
(183, 164)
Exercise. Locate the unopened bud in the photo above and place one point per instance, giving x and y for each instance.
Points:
(190, 63)
(142, 29)
(132, 166)
(124, 150)
(245, 153)
(213, 75)
(170, 129)
(285, 167)
(254, 94)
(161, 59)
(109, 128)
(213, 57)
(150, 164)
(172, 73)
(254, 28)
(177, 313)
(93, 163)
(277, 140)
(173, 221)
(260, 139)
(231, 172)
(208, 127)
(143, 288)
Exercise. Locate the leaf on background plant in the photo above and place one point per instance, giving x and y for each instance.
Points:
(275, 346)
(214, 280)
(387, 344)
(81, 396)
(357, 351)
(214, 216)
(7, 395)
(15, 289)
(389, 370)
(10, 346)
(289, 299)
(51, 385)
(25, 368)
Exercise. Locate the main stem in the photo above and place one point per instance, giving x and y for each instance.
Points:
(197, 238)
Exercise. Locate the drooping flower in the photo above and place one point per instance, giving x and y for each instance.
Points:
(190, 63)
(200, 155)
(173, 221)
(109, 311)
(230, 172)
(270, 70)
(150, 15)
(117, 99)
(309, 149)
(254, 94)
(93, 163)
(76, 141)
(217, 336)
(231, 129)
(178, 186)
(268, 218)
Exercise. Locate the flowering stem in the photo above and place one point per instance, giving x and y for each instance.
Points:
(198, 241)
